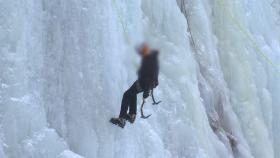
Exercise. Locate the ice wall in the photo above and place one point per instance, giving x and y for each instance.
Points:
(65, 65)
(240, 41)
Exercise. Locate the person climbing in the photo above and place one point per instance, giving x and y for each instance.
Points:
(147, 80)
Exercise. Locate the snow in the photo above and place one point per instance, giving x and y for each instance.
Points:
(65, 64)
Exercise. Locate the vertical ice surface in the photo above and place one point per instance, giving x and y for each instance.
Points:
(212, 85)
(248, 57)
(65, 64)
(24, 125)
(68, 154)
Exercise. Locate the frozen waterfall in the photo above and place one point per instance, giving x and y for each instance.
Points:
(64, 65)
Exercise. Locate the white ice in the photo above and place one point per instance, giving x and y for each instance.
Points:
(65, 64)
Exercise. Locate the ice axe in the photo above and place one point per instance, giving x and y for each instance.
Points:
(154, 101)
(142, 113)
(143, 103)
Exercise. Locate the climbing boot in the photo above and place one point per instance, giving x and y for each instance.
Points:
(118, 121)
(131, 118)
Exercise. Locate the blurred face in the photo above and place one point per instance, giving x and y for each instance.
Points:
(144, 50)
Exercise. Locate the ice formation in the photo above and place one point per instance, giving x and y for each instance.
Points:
(66, 63)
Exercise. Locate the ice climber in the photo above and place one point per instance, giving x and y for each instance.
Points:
(147, 80)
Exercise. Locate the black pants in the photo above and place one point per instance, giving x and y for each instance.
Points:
(129, 100)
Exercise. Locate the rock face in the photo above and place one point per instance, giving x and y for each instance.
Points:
(65, 64)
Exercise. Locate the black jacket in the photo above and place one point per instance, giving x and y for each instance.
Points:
(148, 72)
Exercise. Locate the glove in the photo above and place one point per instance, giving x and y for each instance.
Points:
(146, 94)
